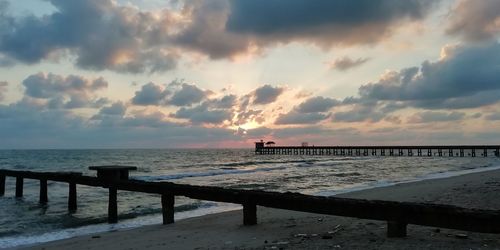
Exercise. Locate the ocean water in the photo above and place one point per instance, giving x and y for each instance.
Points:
(24, 221)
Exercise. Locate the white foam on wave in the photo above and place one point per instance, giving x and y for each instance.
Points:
(23, 240)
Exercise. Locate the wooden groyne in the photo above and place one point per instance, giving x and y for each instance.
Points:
(441, 151)
(397, 214)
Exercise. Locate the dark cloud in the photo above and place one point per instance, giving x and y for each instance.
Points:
(465, 77)
(27, 125)
(67, 92)
(323, 22)
(117, 108)
(100, 33)
(206, 32)
(393, 119)
(475, 20)
(294, 117)
(104, 35)
(259, 132)
(493, 116)
(479, 99)
(187, 95)
(249, 115)
(110, 115)
(226, 102)
(3, 89)
(6, 61)
(150, 94)
(266, 94)
(226, 28)
(312, 110)
(346, 63)
(202, 114)
(360, 113)
(317, 104)
(433, 116)
(143, 119)
(476, 115)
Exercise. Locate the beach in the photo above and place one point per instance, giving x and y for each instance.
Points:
(282, 229)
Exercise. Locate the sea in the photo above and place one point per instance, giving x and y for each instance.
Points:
(24, 221)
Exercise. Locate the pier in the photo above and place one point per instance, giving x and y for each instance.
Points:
(409, 151)
(397, 214)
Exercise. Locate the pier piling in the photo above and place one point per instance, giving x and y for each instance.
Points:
(72, 205)
(167, 207)
(19, 186)
(112, 206)
(43, 192)
(249, 214)
(2, 185)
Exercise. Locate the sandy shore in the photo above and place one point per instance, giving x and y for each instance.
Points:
(281, 229)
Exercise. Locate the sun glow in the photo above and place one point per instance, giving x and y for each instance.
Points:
(250, 125)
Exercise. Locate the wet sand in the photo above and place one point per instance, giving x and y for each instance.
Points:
(282, 229)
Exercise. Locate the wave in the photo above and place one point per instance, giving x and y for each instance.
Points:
(204, 208)
(205, 173)
(250, 163)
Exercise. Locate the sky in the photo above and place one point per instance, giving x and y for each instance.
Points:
(227, 73)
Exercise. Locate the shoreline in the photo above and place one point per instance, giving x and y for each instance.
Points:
(154, 219)
(472, 190)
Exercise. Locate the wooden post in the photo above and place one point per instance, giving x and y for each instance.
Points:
(19, 186)
(72, 197)
(43, 192)
(249, 214)
(396, 229)
(2, 185)
(167, 207)
(112, 206)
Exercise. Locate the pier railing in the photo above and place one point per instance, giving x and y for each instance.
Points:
(397, 214)
(422, 150)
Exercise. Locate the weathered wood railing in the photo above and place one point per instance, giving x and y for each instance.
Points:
(397, 214)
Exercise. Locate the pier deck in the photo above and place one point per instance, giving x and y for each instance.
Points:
(423, 150)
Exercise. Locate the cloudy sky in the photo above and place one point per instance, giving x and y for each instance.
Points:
(225, 73)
